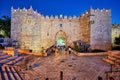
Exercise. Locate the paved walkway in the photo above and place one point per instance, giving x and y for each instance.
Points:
(81, 68)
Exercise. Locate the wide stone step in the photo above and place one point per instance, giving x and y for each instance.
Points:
(111, 58)
(18, 73)
(15, 73)
(2, 74)
(5, 76)
(9, 73)
(109, 61)
(17, 60)
(4, 57)
(2, 54)
(118, 61)
(7, 60)
(116, 56)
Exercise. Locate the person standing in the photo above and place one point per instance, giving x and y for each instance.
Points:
(69, 49)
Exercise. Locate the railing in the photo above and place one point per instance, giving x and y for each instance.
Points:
(113, 75)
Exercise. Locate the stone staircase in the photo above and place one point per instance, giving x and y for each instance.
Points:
(9, 66)
(9, 73)
(9, 60)
(113, 60)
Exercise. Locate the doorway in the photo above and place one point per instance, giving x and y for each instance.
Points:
(61, 38)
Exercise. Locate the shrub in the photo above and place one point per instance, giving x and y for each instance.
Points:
(76, 48)
(116, 48)
(117, 40)
(2, 36)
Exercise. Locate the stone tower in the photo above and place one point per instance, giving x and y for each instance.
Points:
(25, 28)
(100, 29)
(95, 28)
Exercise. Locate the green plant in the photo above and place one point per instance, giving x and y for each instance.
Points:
(76, 48)
(2, 36)
(5, 25)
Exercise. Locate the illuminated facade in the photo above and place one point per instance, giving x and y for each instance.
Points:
(115, 31)
(32, 30)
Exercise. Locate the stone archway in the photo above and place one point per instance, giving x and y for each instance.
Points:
(61, 38)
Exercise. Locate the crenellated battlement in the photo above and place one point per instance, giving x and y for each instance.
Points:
(35, 12)
(100, 10)
(24, 11)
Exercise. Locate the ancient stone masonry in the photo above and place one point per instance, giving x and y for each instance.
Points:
(85, 27)
(32, 30)
(115, 32)
(95, 28)
(100, 29)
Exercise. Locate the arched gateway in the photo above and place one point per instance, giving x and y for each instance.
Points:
(61, 38)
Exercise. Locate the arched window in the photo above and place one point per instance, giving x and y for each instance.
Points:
(60, 25)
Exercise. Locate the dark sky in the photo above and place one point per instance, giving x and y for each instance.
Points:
(65, 7)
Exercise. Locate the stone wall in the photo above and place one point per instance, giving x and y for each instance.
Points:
(26, 28)
(100, 36)
(50, 26)
(32, 30)
(84, 33)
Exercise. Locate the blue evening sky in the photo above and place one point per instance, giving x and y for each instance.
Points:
(65, 7)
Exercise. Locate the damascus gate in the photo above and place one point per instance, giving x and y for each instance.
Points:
(33, 31)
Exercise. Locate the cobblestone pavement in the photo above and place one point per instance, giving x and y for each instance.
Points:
(81, 68)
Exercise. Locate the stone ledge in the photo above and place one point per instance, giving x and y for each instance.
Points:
(25, 51)
(91, 54)
(95, 54)
(9, 51)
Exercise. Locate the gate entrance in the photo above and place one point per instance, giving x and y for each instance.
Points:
(61, 38)
(61, 41)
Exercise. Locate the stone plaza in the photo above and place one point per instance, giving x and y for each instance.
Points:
(81, 68)
(64, 66)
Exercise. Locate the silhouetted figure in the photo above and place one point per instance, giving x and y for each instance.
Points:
(46, 79)
(100, 78)
(1, 47)
(111, 78)
(61, 75)
(74, 78)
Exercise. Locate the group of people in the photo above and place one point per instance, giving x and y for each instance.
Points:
(67, 50)
(56, 50)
